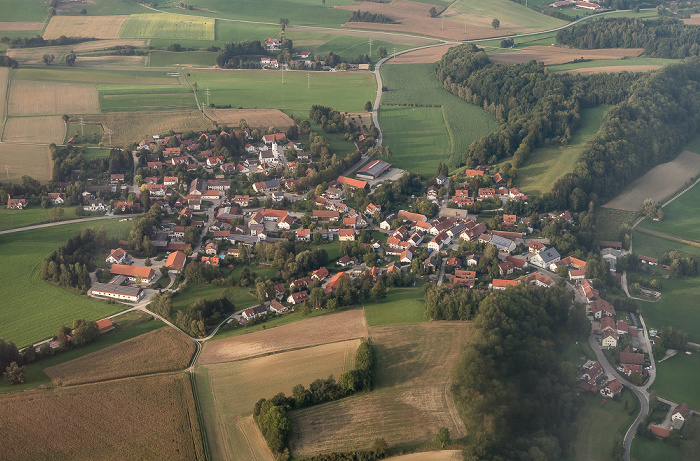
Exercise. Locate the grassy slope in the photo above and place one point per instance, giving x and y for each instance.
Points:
(24, 11)
(402, 305)
(527, 20)
(609, 222)
(679, 216)
(417, 84)
(12, 219)
(33, 309)
(597, 425)
(547, 164)
(677, 379)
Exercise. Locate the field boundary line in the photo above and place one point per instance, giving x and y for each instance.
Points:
(200, 417)
(449, 131)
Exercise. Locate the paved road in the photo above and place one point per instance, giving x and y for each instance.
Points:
(70, 221)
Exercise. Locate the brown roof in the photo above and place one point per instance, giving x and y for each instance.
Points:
(660, 431)
(325, 214)
(104, 324)
(615, 386)
(132, 271)
(683, 409)
(631, 358)
(408, 216)
(175, 260)
(117, 254)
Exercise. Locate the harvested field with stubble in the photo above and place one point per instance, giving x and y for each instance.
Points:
(424, 56)
(160, 350)
(137, 418)
(693, 20)
(256, 118)
(553, 55)
(414, 18)
(84, 26)
(50, 98)
(4, 80)
(444, 455)
(310, 332)
(600, 70)
(24, 159)
(411, 399)
(171, 26)
(229, 391)
(7, 26)
(35, 55)
(36, 130)
(658, 183)
(128, 127)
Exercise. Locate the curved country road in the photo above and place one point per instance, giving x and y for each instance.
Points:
(67, 221)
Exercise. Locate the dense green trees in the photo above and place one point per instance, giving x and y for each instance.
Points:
(366, 16)
(70, 265)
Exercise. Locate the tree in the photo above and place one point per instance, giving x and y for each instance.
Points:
(443, 437)
(84, 332)
(381, 52)
(79, 210)
(14, 374)
(507, 43)
(495, 23)
(379, 290)
(83, 11)
(48, 58)
(70, 58)
(284, 22)
(433, 12)
(650, 208)
(65, 117)
(368, 106)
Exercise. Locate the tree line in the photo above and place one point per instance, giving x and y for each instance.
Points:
(366, 16)
(39, 41)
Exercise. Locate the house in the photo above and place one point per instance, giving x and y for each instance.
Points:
(346, 235)
(273, 44)
(211, 260)
(241, 200)
(501, 284)
(535, 247)
(660, 432)
(601, 308)
(235, 252)
(277, 307)
(622, 327)
(648, 260)
(437, 242)
(104, 325)
(269, 62)
(253, 312)
(300, 283)
(110, 290)
(16, 203)
(546, 259)
(354, 183)
(631, 362)
(170, 181)
(371, 208)
(386, 223)
(373, 169)
(334, 282)
(609, 339)
(57, 198)
(346, 261)
(502, 243)
(591, 371)
(304, 234)
(114, 178)
(175, 261)
(157, 190)
(407, 255)
(211, 248)
(413, 217)
(325, 215)
(505, 268)
(274, 138)
(430, 264)
(510, 220)
(134, 273)
(96, 205)
(116, 256)
(320, 274)
(681, 412)
(611, 389)
(393, 267)
(298, 298)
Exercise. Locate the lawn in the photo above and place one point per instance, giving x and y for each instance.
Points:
(597, 426)
(168, 26)
(402, 305)
(12, 219)
(547, 164)
(131, 325)
(677, 379)
(172, 58)
(94, 153)
(23, 11)
(417, 137)
(514, 18)
(103, 7)
(654, 450)
(417, 84)
(33, 309)
(152, 97)
(263, 89)
(87, 134)
(680, 216)
(240, 297)
(610, 222)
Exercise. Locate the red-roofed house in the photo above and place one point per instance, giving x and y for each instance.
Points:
(298, 298)
(320, 274)
(116, 256)
(346, 235)
(104, 325)
(334, 282)
(611, 389)
(501, 284)
(176, 261)
(145, 274)
(354, 183)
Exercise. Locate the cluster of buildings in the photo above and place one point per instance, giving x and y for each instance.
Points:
(579, 4)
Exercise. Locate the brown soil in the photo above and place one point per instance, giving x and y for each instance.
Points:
(414, 18)
(694, 20)
(256, 118)
(444, 455)
(553, 55)
(600, 70)
(305, 333)
(426, 55)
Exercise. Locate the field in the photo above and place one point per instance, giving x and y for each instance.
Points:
(170, 26)
(261, 118)
(4, 81)
(597, 426)
(677, 379)
(263, 89)
(514, 18)
(24, 320)
(677, 220)
(693, 20)
(28, 10)
(633, 64)
(553, 55)
(24, 26)
(229, 391)
(35, 130)
(318, 330)
(414, 18)
(402, 305)
(411, 399)
(547, 164)
(100, 7)
(161, 350)
(51, 98)
(626, 68)
(239, 296)
(82, 50)
(87, 131)
(84, 26)
(609, 223)
(12, 219)
(417, 137)
(417, 84)
(444, 455)
(23, 159)
(139, 418)
(118, 98)
(128, 127)
(659, 182)
(653, 450)
(182, 59)
(114, 76)
(424, 56)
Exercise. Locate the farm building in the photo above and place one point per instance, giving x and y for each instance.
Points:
(134, 273)
(133, 294)
(176, 261)
(373, 169)
(354, 183)
(104, 325)
(16, 203)
(116, 256)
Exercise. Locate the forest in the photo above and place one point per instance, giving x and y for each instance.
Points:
(366, 16)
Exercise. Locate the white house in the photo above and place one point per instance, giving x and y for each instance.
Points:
(546, 259)
(116, 256)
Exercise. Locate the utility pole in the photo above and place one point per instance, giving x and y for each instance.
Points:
(7, 169)
(82, 126)
(208, 93)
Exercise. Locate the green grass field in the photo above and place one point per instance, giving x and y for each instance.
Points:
(402, 305)
(263, 89)
(92, 133)
(547, 164)
(677, 379)
(34, 372)
(514, 18)
(87, 75)
(654, 450)
(33, 309)
(418, 84)
(679, 218)
(118, 98)
(12, 219)
(597, 425)
(240, 297)
(104, 7)
(91, 154)
(169, 26)
(171, 58)
(23, 11)
(614, 62)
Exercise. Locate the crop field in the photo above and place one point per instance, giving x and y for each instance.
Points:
(118, 98)
(4, 81)
(31, 308)
(632, 64)
(424, 56)
(411, 399)
(677, 218)
(598, 424)
(23, 159)
(128, 127)
(182, 59)
(693, 20)
(659, 182)
(228, 393)
(304, 12)
(84, 26)
(24, 11)
(514, 18)
(111, 61)
(609, 223)
(547, 164)
(35, 55)
(35, 130)
(414, 18)
(311, 332)
(100, 7)
(139, 418)
(417, 84)
(263, 89)
(50, 98)
(677, 379)
(443, 455)
(23, 26)
(136, 78)
(402, 305)
(261, 118)
(553, 55)
(170, 26)
(160, 350)
(417, 136)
